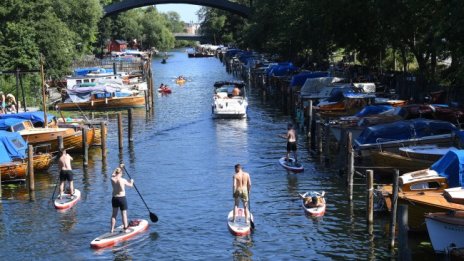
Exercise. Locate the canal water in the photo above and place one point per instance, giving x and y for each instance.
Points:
(182, 162)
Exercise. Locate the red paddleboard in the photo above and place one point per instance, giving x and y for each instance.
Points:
(291, 165)
(109, 239)
(66, 201)
(239, 227)
(313, 211)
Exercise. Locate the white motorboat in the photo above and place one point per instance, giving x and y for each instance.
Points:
(446, 230)
(230, 100)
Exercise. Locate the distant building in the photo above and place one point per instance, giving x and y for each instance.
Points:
(191, 28)
(117, 46)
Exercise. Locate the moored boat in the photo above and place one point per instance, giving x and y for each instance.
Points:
(446, 230)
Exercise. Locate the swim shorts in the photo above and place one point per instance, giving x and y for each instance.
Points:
(66, 175)
(291, 146)
(243, 194)
(119, 202)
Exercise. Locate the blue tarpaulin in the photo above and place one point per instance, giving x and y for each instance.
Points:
(407, 129)
(5, 124)
(300, 79)
(373, 109)
(36, 117)
(14, 144)
(451, 166)
(281, 69)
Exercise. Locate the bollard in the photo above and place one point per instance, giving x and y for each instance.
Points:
(370, 196)
(30, 168)
(103, 132)
(130, 125)
(393, 208)
(60, 143)
(85, 146)
(350, 166)
(403, 248)
(120, 130)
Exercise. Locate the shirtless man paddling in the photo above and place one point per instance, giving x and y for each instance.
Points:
(240, 190)
(291, 141)
(66, 174)
(119, 197)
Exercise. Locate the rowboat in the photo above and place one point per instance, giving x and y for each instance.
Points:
(111, 103)
(109, 239)
(315, 211)
(239, 227)
(291, 164)
(67, 200)
(446, 230)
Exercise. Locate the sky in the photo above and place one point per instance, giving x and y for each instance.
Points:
(186, 12)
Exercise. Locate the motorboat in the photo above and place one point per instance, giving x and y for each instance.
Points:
(229, 100)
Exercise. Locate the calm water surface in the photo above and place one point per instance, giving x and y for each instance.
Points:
(182, 162)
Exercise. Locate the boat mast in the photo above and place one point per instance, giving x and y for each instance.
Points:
(44, 97)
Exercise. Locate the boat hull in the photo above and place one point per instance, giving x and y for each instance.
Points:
(13, 171)
(445, 231)
(402, 163)
(316, 211)
(114, 103)
(72, 141)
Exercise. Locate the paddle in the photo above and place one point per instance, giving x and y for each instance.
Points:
(54, 190)
(249, 208)
(153, 217)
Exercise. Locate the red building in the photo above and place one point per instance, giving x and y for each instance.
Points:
(117, 46)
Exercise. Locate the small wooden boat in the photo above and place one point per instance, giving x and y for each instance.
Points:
(239, 227)
(316, 210)
(291, 164)
(13, 171)
(446, 230)
(112, 103)
(109, 239)
(67, 200)
(402, 163)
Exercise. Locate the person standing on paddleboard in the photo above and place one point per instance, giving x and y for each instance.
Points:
(66, 174)
(119, 197)
(240, 190)
(291, 141)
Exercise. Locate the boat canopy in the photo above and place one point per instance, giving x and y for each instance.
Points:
(36, 117)
(300, 79)
(239, 84)
(313, 86)
(373, 110)
(5, 124)
(403, 130)
(14, 144)
(451, 166)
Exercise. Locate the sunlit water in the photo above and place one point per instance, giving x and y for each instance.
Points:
(182, 161)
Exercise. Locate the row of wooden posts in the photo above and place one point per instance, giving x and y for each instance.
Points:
(347, 157)
(30, 179)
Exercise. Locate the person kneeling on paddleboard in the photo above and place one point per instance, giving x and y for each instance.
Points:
(119, 197)
(313, 200)
(66, 174)
(240, 190)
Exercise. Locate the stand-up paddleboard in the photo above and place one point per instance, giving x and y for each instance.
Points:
(291, 165)
(316, 211)
(239, 227)
(66, 201)
(109, 239)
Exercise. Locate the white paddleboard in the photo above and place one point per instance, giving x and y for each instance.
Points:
(291, 165)
(66, 201)
(239, 227)
(118, 235)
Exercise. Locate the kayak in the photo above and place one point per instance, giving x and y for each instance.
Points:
(109, 239)
(291, 165)
(180, 81)
(66, 202)
(313, 211)
(239, 227)
(165, 90)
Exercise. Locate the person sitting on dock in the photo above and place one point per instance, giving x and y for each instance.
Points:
(11, 104)
(119, 197)
(313, 200)
(66, 174)
(240, 190)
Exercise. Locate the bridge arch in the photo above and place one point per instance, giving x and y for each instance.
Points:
(125, 5)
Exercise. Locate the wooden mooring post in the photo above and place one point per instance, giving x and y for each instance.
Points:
(319, 137)
(370, 197)
(327, 142)
(403, 247)
(85, 146)
(350, 165)
(30, 169)
(120, 130)
(130, 125)
(60, 143)
(103, 131)
(393, 208)
(310, 121)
